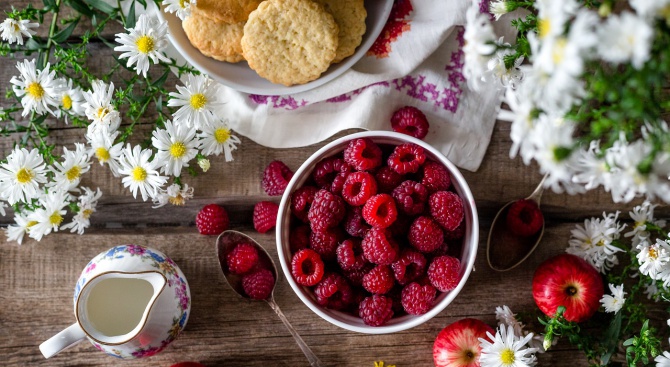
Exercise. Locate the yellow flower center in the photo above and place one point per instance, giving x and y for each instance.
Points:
(31, 223)
(102, 154)
(16, 27)
(507, 356)
(177, 149)
(182, 4)
(73, 173)
(139, 174)
(86, 213)
(35, 90)
(145, 44)
(102, 112)
(544, 25)
(559, 50)
(198, 101)
(67, 102)
(55, 219)
(24, 175)
(653, 253)
(221, 135)
(177, 200)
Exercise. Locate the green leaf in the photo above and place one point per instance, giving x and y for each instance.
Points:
(49, 3)
(79, 6)
(130, 18)
(32, 44)
(63, 35)
(611, 338)
(101, 5)
(161, 81)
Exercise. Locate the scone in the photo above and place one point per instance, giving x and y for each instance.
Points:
(290, 41)
(350, 18)
(227, 11)
(218, 40)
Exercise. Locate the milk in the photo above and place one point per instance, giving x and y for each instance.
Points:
(115, 305)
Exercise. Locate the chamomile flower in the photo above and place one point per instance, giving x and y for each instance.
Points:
(520, 115)
(16, 232)
(22, 175)
(104, 149)
(594, 241)
(100, 110)
(505, 317)
(650, 8)
(174, 194)
(144, 42)
(499, 71)
(507, 349)
(613, 303)
(87, 204)
(50, 216)
(37, 88)
(479, 46)
(552, 16)
(663, 360)
(68, 174)
(653, 258)
(624, 158)
(198, 100)
(642, 214)
(182, 8)
(216, 138)
(625, 37)
(176, 146)
(499, 8)
(71, 100)
(14, 30)
(140, 173)
(590, 170)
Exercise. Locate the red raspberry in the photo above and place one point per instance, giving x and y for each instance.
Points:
(376, 310)
(380, 211)
(358, 188)
(307, 267)
(212, 219)
(435, 177)
(298, 238)
(456, 234)
(411, 197)
(425, 234)
(338, 182)
(333, 292)
(355, 277)
(524, 218)
(379, 280)
(301, 201)
(276, 177)
(242, 258)
(418, 299)
(409, 266)
(259, 284)
(350, 254)
(325, 242)
(387, 179)
(265, 216)
(444, 273)
(327, 170)
(407, 158)
(354, 223)
(447, 209)
(363, 154)
(326, 211)
(410, 121)
(379, 248)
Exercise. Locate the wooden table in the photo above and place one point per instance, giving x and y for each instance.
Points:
(37, 278)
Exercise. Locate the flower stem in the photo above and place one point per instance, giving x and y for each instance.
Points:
(52, 31)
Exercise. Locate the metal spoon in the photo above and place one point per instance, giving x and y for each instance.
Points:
(224, 244)
(507, 251)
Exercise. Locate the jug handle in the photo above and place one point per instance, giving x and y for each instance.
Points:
(63, 340)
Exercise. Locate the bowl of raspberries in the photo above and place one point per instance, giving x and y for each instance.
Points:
(377, 232)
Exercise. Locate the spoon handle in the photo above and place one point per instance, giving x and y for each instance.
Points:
(311, 357)
(537, 194)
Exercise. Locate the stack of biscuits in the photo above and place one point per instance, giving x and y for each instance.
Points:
(287, 42)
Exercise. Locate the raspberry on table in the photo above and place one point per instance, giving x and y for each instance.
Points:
(410, 197)
(350, 254)
(409, 266)
(325, 242)
(301, 201)
(334, 292)
(407, 158)
(363, 154)
(265, 216)
(275, 178)
(410, 121)
(327, 170)
(387, 179)
(327, 210)
(379, 247)
(425, 234)
(379, 280)
(358, 188)
(242, 258)
(212, 219)
(435, 176)
(354, 223)
(444, 273)
(259, 284)
(376, 310)
(418, 299)
(298, 238)
(307, 267)
(380, 211)
(524, 218)
(447, 209)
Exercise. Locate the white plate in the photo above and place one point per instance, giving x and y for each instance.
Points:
(240, 77)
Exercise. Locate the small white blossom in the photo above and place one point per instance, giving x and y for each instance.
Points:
(50, 216)
(653, 258)
(663, 360)
(16, 232)
(216, 138)
(21, 176)
(71, 100)
(642, 214)
(104, 149)
(593, 241)
(100, 110)
(14, 30)
(37, 89)
(613, 303)
(589, 168)
(627, 182)
(140, 173)
(204, 164)
(199, 101)
(650, 8)
(88, 201)
(144, 42)
(174, 195)
(68, 174)
(498, 71)
(505, 317)
(176, 145)
(499, 8)
(507, 349)
(552, 16)
(521, 116)
(182, 8)
(625, 37)
(479, 46)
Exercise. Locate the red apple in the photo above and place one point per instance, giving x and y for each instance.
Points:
(457, 345)
(567, 280)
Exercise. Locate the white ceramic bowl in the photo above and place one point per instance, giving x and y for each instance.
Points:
(348, 321)
(240, 77)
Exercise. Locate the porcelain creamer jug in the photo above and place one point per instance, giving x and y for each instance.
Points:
(130, 302)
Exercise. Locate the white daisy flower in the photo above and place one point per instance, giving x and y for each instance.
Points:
(479, 46)
(521, 117)
(100, 110)
(505, 317)
(650, 8)
(553, 15)
(13, 30)
(653, 258)
(37, 88)
(199, 101)
(499, 8)
(50, 216)
(623, 158)
(87, 204)
(625, 37)
(507, 349)
(642, 214)
(182, 8)
(216, 138)
(104, 149)
(146, 41)
(663, 360)
(498, 71)
(176, 146)
(652, 291)
(174, 195)
(16, 232)
(140, 173)
(593, 242)
(589, 168)
(71, 100)
(22, 175)
(613, 303)
(67, 175)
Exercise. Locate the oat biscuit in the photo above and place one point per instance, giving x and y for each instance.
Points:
(218, 40)
(350, 17)
(227, 11)
(290, 41)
